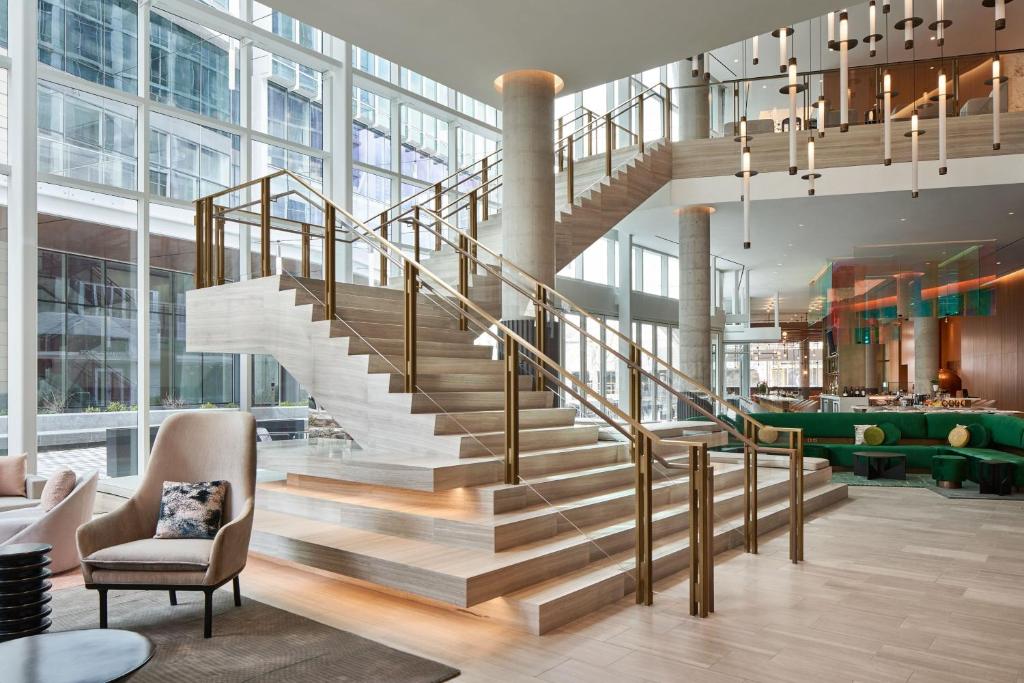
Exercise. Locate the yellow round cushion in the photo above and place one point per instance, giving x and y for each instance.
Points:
(874, 436)
(959, 436)
(768, 435)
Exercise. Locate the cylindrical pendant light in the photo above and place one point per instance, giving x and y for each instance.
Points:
(886, 6)
(754, 48)
(811, 174)
(830, 19)
(1000, 11)
(941, 23)
(845, 42)
(914, 133)
(695, 66)
(908, 23)
(873, 35)
(783, 35)
(886, 96)
(745, 174)
(942, 122)
(997, 96)
(792, 89)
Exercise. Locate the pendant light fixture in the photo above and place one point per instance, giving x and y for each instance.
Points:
(754, 49)
(886, 97)
(831, 19)
(845, 42)
(908, 23)
(820, 104)
(745, 174)
(914, 133)
(792, 89)
(996, 82)
(811, 175)
(783, 35)
(942, 121)
(873, 36)
(886, 6)
(1000, 11)
(941, 23)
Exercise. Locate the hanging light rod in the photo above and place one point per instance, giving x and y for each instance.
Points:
(914, 133)
(845, 43)
(754, 49)
(996, 82)
(886, 96)
(1000, 13)
(872, 38)
(941, 23)
(792, 89)
(811, 174)
(746, 173)
(908, 23)
(941, 99)
(783, 34)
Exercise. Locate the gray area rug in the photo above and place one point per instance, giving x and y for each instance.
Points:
(254, 642)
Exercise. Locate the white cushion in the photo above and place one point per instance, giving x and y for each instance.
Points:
(11, 526)
(15, 502)
(155, 555)
(34, 512)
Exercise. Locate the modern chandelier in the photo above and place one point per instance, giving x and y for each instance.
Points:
(811, 175)
(845, 42)
(783, 35)
(1000, 11)
(941, 23)
(873, 36)
(908, 23)
(792, 89)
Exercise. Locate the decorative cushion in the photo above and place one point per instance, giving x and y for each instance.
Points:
(58, 487)
(858, 434)
(959, 436)
(874, 436)
(191, 510)
(155, 555)
(12, 475)
(892, 433)
(11, 526)
(768, 434)
(980, 437)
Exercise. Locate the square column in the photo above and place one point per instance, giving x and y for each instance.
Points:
(695, 292)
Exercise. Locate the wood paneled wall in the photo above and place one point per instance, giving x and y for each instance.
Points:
(988, 352)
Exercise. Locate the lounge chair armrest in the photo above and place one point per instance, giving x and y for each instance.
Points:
(231, 546)
(114, 528)
(34, 486)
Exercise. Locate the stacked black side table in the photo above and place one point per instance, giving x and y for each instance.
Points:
(24, 590)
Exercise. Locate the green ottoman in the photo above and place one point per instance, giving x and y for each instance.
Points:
(949, 471)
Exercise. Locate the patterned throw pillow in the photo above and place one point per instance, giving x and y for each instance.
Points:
(959, 437)
(874, 436)
(191, 510)
(58, 487)
(858, 434)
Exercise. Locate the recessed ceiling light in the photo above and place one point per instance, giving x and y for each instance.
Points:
(799, 225)
(904, 220)
(735, 61)
(999, 263)
(1010, 213)
(764, 86)
(779, 265)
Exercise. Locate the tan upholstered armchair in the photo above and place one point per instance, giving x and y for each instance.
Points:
(118, 549)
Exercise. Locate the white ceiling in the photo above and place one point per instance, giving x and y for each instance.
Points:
(795, 238)
(466, 45)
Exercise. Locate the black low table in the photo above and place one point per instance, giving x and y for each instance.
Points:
(24, 590)
(880, 465)
(995, 476)
(87, 656)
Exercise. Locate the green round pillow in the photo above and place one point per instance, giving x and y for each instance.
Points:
(892, 433)
(980, 437)
(874, 435)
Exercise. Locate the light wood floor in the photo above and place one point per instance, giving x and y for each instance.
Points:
(899, 585)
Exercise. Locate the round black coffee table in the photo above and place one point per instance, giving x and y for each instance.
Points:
(24, 590)
(87, 656)
(880, 465)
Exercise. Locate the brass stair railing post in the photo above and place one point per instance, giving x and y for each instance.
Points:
(473, 228)
(541, 323)
(609, 142)
(640, 121)
(483, 185)
(750, 488)
(634, 392)
(416, 232)
(219, 238)
(590, 134)
(384, 265)
(570, 192)
(667, 114)
(265, 227)
(511, 409)
(702, 532)
(306, 266)
(200, 282)
(796, 496)
(208, 242)
(330, 254)
(409, 327)
(561, 157)
(643, 446)
(437, 220)
(463, 280)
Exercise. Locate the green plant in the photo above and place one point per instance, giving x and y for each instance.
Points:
(208, 405)
(116, 407)
(92, 409)
(172, 402)
(232, 405)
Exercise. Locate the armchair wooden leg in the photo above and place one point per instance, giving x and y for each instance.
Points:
(103, 607)
(208, 614)
(174, 597)
(237, 588)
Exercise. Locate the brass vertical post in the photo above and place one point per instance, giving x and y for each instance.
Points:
(330, 288)
(208, 241)
(306, 266)
(667, 114)
(416, 232)
(750, 488)
(219, 237)
(796, 496)
(702, 532)
(640, 121)
(463, 280)
(609, 141)
(541, 323)
(561, 158)
(483, 185)
(409, 327)
(511, 409)
(570, 192)
(437, 220)
(472, 229)
(265, 270)
(590, 134)
(634, 388)
(384, 265)
(643, 447)
(200, 234)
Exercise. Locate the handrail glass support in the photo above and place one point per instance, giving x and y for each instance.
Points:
(265, 227)
(511, 409)
(643, 446)
(330, 254)
(702, 532)
(409, 327)
(305, 268)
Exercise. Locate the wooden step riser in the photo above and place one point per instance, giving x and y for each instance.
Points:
(433, 365)
(396, 347)
(471, 401)
(368, 330)
(477, 445)
(472, 423)
(396, 317)
(452, 382)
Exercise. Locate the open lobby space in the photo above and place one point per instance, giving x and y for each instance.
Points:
(409, 342)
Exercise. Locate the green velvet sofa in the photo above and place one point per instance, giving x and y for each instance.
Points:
(922, 436)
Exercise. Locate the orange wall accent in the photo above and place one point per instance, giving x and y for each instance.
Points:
(991, 348)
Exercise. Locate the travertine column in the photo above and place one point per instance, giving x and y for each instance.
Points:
(926, 353)
(695, 292)
(1013, 68)
(693, 104)
(528, 179)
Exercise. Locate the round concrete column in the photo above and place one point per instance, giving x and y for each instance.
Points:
(695, 292)
(528, 179)
(694, 106)
(926, 353)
